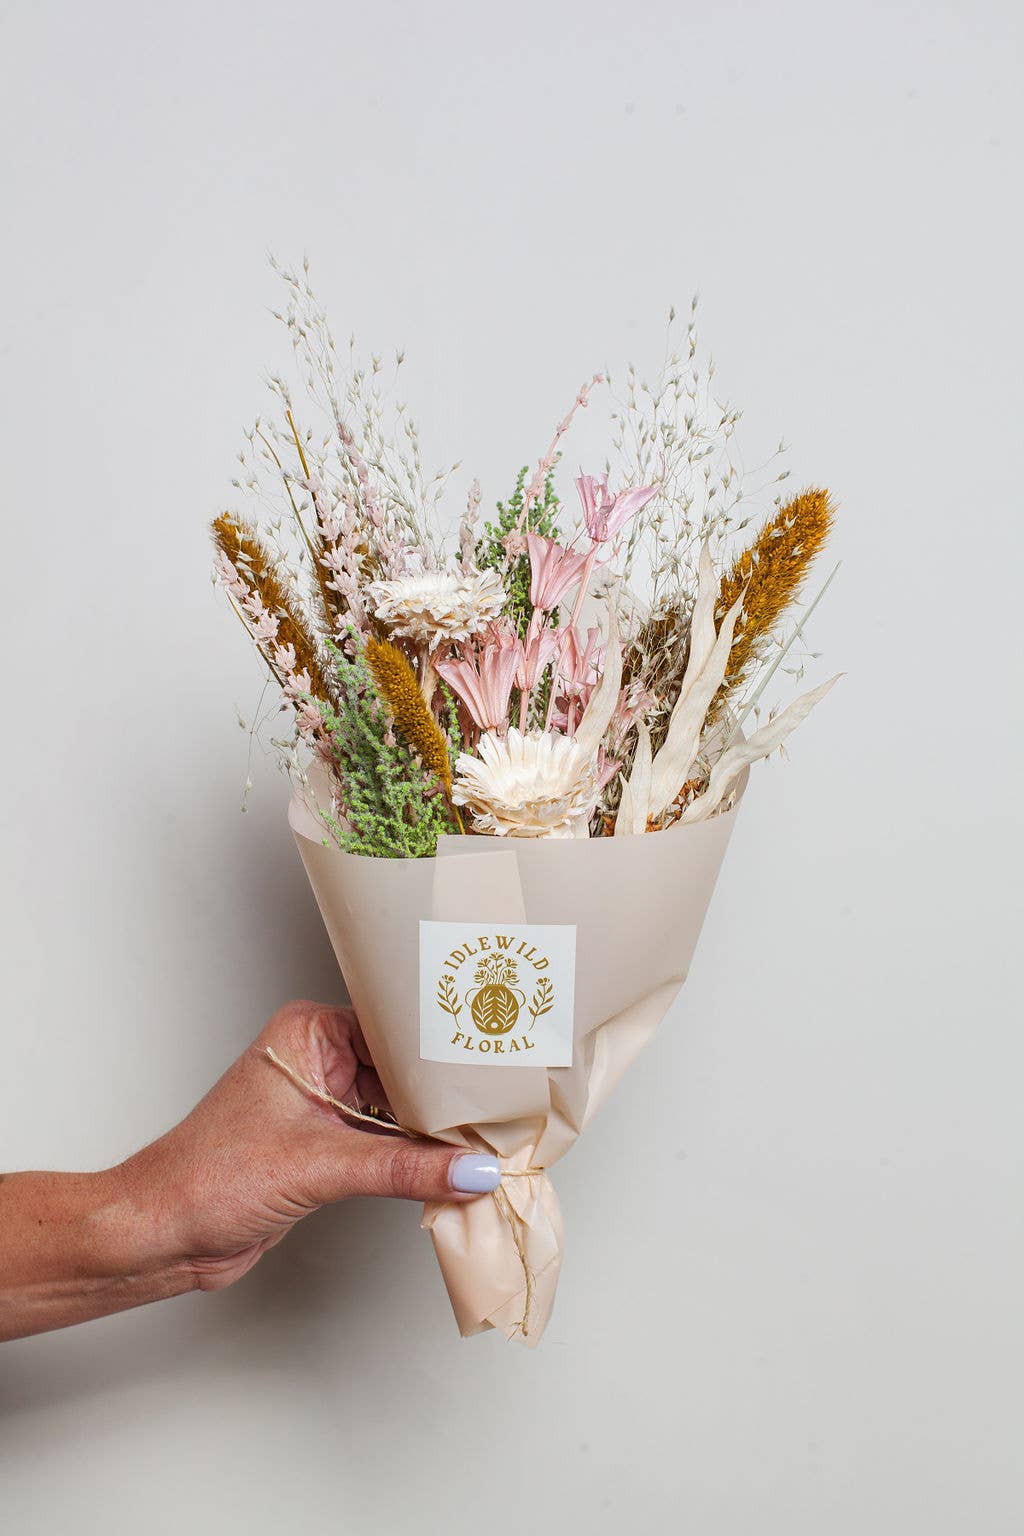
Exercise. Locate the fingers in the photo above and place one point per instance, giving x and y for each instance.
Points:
(403, 1169)
(346, 1059)
(338, 1027)
(316, 1045)
(317, 1039)
(370, 1089)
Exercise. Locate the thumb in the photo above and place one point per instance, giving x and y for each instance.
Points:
(416, 1170)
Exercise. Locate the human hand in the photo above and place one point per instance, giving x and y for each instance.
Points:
(197, 1208)
(257, 1154)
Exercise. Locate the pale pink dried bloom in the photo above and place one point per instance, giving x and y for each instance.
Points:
(296, 688)
(578, 672)
(284, 659)
(340, 534)
(308, 718)
(483, 677)
(262, 623)
(553, 570)
(582, 656)
(607, 768)
(541, 643)
(634, 703)
(226, 576)
(605, 514)
(367, 510)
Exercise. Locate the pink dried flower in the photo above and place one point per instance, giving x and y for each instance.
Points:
(605, 514)
(308, 718)
(284, 659)
(483, 681)
(263, 624)
(578, 673)
(607, 768)
(580, 666)
(553, 570)
(535, 652)
(226, 575)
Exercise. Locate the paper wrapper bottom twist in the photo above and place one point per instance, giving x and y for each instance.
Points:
(637, 903)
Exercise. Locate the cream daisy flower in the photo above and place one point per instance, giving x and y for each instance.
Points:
(437, 606)
(537, 785)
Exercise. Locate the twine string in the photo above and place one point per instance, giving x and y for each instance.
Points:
(517, 1226)
(318, 1091)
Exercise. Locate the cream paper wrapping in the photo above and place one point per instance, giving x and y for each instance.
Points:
(638, 904)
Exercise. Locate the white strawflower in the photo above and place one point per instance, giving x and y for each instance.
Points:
(537, 785)
(437, 605)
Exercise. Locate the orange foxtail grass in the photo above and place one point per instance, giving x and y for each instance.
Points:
(400, 688)
(257, 567)
(394, 676)
(772, 571)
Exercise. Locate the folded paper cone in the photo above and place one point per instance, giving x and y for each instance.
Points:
(637, 905)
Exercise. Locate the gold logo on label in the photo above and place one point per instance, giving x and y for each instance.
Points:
(497, 1003)
(496, 1000)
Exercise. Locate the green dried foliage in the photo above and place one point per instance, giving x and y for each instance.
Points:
(452, 727)
(394, 805)
(490, 549)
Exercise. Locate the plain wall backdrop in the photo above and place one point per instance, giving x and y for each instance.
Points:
(791, 1297)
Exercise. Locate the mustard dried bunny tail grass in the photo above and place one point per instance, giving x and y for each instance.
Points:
(772, 570)
(256, 565)
(397, 682)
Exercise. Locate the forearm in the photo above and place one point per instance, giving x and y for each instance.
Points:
(74, 1246)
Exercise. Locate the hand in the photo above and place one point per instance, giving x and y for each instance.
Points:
(197, 1208)
(258, 1154)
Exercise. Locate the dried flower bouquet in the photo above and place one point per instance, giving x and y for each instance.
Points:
(562, 678)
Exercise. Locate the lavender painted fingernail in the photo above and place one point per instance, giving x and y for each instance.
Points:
(475, 1173)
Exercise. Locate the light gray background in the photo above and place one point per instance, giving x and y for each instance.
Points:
(792, 1288)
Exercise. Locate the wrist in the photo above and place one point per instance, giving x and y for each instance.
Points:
(142, 1225)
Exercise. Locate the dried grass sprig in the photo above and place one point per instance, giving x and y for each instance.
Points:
(399, 687)
(330, 608)
(255, 564)
(772, 570)
(655, 659)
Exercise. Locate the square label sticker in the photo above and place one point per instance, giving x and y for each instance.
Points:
(497, 994)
